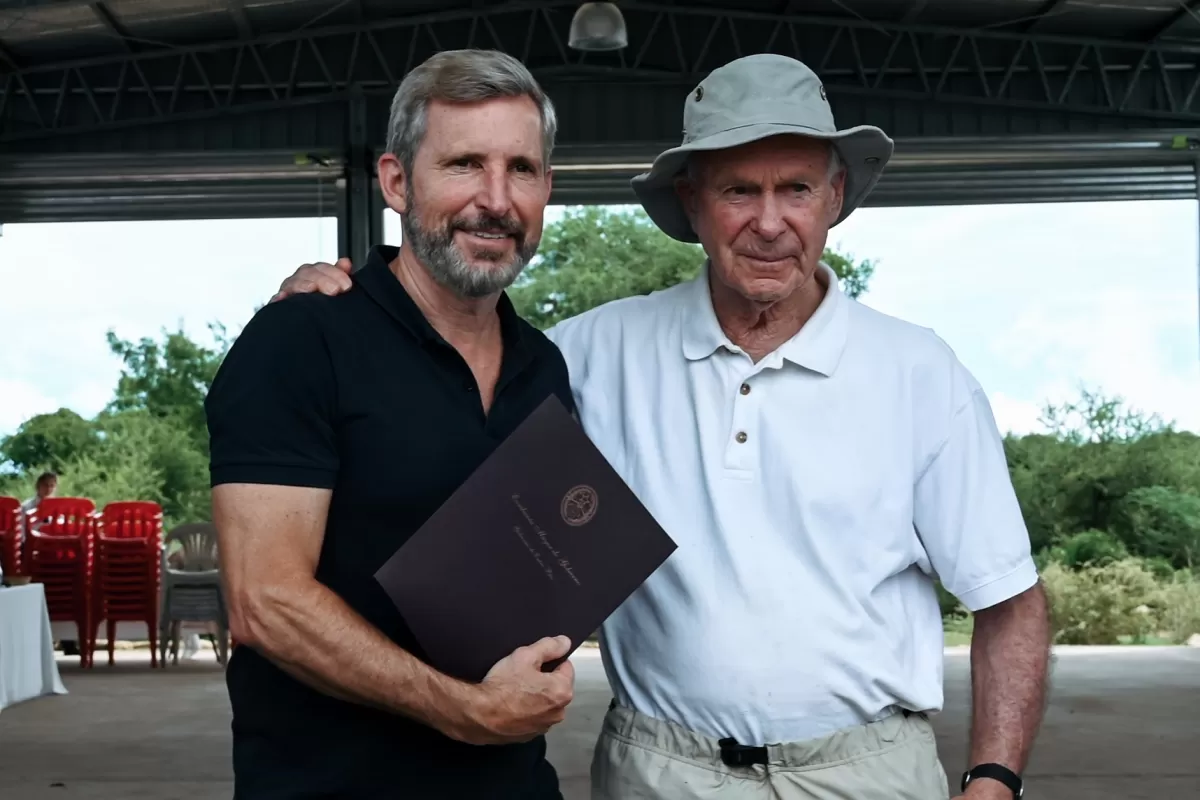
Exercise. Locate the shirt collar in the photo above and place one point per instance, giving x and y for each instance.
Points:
(817, 346)
(381, 285)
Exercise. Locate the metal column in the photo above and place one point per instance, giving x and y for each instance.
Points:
(360, 207)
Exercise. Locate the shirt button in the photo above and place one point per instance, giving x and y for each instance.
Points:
(741, 437)
(745, 388)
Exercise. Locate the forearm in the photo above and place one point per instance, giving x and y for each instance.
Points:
(311, 633)
(1010, 656)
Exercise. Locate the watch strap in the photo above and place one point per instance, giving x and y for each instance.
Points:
(996, 772)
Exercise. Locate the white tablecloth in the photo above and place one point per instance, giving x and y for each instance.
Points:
(27, 666)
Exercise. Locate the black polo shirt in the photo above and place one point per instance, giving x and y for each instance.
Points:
(359, 394)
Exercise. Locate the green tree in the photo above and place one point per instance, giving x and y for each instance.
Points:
(1095, 417)
(49, 441)
(1106, 474)
(150, 442)
(1034, 463)
(595, 254)
(168, 378)
(1161, 523)
(1090, 548)
(156, 419)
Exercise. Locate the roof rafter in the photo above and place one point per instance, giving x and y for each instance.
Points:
(237, 9)
(30, 5)
(855, 57)
(1191, 8)
(114, 26)
(1049, 10)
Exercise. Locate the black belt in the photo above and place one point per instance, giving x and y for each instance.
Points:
(740, 755)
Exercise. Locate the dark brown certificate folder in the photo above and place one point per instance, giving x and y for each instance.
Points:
(543, 539)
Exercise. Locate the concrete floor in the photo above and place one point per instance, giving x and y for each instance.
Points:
(1123, 724)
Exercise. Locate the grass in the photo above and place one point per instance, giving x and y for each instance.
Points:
(1153, 641)
(958, 630)
(958, 633)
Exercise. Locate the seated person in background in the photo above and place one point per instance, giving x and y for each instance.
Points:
(46, 486)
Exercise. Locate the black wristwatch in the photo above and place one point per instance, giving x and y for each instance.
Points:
(997, 773)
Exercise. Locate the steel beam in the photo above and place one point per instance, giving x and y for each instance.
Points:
(113, 25)
(257, 183)
(360, 214)
(30, 5)
(669, 45)
(1190, 8)
(237, 9)
(7, 58)
(1049, 10)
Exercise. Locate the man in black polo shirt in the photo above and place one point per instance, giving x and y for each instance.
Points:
(340, 424)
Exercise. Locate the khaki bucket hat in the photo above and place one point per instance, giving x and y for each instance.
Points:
(747, 100)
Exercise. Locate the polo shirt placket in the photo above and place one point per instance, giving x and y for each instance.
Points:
(743, 455)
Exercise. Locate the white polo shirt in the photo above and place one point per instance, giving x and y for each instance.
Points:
(812, 496)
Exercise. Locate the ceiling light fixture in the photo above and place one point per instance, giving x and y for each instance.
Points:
(598, 27)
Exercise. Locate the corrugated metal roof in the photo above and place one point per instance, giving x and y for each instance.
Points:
(48, 31)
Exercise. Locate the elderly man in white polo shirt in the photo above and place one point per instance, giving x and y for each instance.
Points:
(818, 463)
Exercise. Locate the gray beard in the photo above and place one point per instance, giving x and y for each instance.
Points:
(437, 250)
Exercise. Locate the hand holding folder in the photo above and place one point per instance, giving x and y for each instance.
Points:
(518, 700)
(543, 540)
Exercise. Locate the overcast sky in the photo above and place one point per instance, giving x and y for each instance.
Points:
(1036, 300)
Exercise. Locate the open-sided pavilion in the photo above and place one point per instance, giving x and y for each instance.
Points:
(180, 109)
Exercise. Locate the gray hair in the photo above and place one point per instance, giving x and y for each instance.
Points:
(835, 163)
(461, 76)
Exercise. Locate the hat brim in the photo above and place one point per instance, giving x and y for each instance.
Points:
(865, 150)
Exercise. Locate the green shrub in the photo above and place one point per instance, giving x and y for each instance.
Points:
(1179, 606)
(1089, 548)
(1161, 522)
(1102, 604)
(951, 608)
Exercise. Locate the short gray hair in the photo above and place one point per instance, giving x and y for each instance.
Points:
(835, 163)
(461, 76)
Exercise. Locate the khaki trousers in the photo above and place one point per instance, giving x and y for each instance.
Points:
(641, 758)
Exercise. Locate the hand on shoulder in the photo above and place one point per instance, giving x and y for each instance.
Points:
(328, 279)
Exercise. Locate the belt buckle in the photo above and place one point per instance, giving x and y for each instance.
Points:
(740, 755)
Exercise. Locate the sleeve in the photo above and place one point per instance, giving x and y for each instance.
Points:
(967, 515)
(565, 336)
(272, 407)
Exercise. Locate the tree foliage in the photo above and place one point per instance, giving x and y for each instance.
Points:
(1105, 467)
(149, 443)
(50, 441)
(168, 378)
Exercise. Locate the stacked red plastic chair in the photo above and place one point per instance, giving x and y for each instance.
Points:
(128, 572)
(59, 550)
(12, 535)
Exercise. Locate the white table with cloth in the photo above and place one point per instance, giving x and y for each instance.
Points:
(27, 665)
